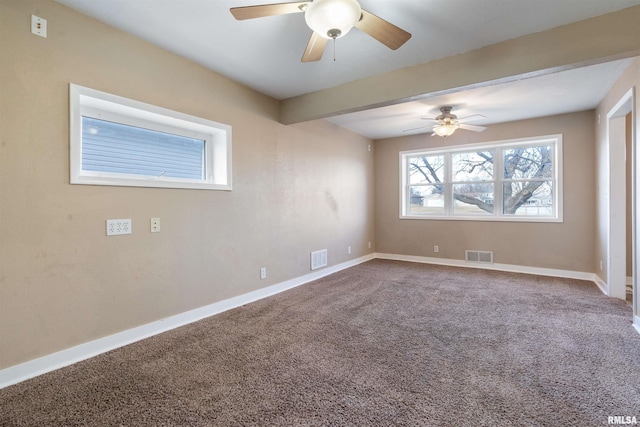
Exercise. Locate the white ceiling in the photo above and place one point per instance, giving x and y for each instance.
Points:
(265, 53)
(551, 94)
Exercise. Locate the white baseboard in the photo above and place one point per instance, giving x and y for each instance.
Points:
(552, 272)
(51, 362)
(604, 286)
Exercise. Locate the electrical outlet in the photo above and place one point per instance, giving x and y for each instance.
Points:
(155, 225)
(38, 26)
(369, 245)
(436, 249)
(349, 249)
(263, 273)
(118, 226)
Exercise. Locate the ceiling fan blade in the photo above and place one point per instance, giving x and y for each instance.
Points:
(473, 117)
(432, 119)
(315, 48)
(412, 129)
(259, 11)
(385, 32)
(474, 128)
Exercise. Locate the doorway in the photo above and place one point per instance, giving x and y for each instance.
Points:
(622, 202)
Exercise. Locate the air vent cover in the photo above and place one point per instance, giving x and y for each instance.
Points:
(485, 257)
(318, 259)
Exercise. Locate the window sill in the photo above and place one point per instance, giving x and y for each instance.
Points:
(483, 218)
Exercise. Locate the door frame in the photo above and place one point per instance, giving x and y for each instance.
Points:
(616, 244)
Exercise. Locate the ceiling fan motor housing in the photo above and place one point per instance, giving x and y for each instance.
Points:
(332, 19)
(446, 115)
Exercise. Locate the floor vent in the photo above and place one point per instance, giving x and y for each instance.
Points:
(485, 257)
(318, 259)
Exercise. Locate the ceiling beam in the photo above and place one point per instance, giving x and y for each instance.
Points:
(600, 39)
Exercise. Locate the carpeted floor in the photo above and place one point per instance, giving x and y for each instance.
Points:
(384, 343)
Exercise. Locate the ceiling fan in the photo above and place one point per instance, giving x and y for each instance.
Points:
(329, 19)
(447, 123)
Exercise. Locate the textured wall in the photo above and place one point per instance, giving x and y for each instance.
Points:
(568, 245)
(62, 281)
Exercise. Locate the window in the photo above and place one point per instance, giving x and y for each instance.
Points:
(517, 180)
(118, 141)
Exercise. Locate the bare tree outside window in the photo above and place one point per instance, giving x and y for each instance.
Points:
(530, 170)
(427, 196)
(473, 182)
(526, 181)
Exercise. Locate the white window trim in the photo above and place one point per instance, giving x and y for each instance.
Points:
(101, 105)
(497, 215)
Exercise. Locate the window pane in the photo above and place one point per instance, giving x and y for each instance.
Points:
(473, 166)
(502, 181)
(473, 199)
(530, 198)
(426, 200)
(118, 148)
(426, 169)
(528, 162)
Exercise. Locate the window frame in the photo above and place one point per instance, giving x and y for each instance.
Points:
(104, 106)
(498, 148)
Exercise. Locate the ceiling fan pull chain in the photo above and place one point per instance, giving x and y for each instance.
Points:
(334, 49)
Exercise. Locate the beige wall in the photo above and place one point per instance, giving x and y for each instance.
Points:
(568, 245)
(62, 281)
(629, 79)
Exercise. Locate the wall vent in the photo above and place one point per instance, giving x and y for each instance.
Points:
(485, 257)
(318, 259)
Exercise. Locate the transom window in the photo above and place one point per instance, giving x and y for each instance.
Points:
(118, 141)
(517, 180)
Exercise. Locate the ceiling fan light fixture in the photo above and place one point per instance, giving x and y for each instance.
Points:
(445, 129)
(332, 19)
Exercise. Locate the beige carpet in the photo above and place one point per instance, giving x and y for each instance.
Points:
(380, 344)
